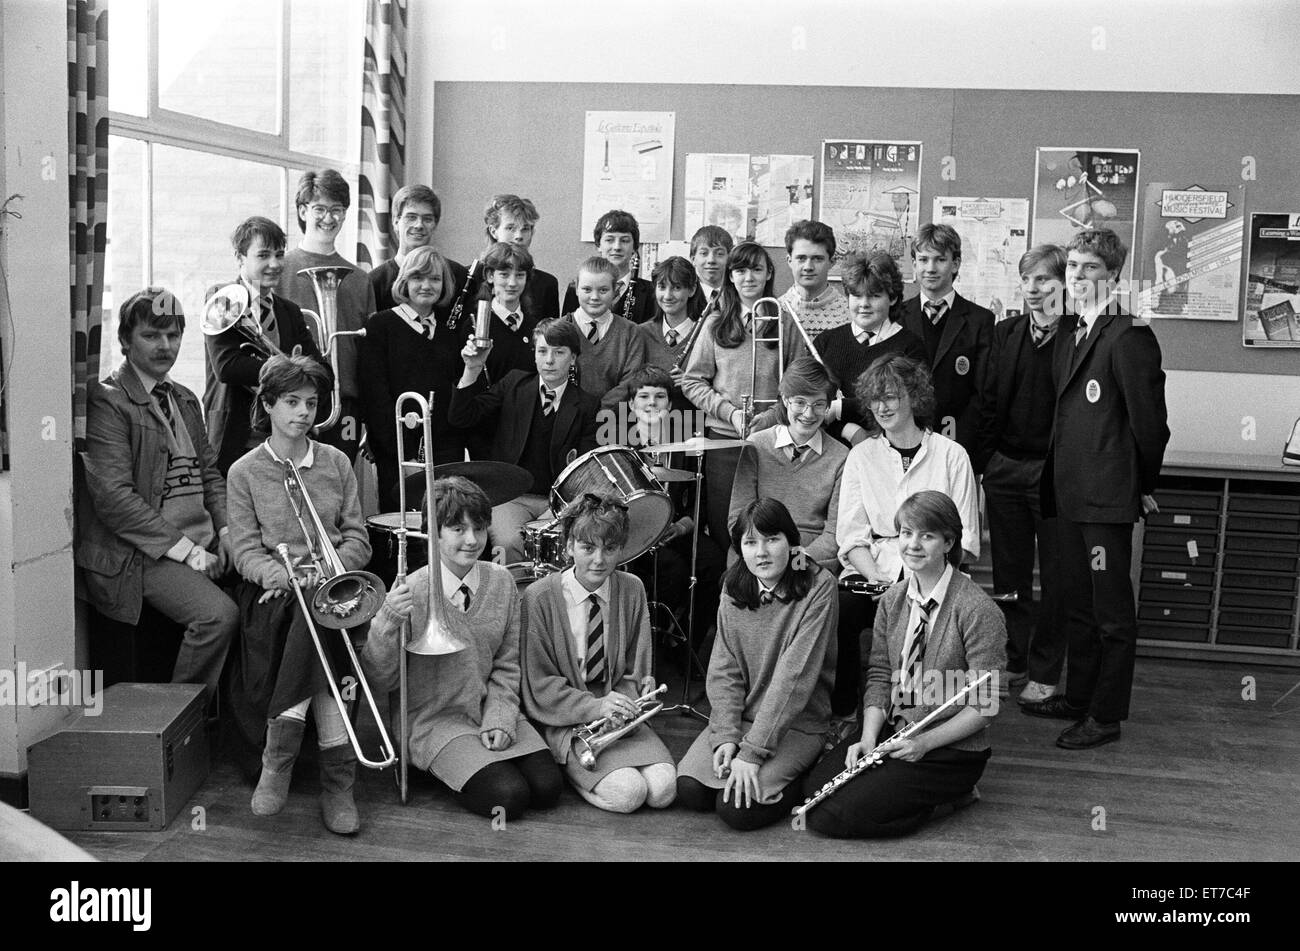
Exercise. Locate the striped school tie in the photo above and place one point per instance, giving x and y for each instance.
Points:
(593, 332)
(596, 666)
(548, 400)
(913, 651)
(670, 338)
(935, 311)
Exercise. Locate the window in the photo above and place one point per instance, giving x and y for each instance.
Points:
(215, 111)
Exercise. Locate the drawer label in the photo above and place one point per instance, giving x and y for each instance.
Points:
(1173, 576)
(1182, 520)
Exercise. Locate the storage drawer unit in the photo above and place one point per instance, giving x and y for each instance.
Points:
(1188, 594)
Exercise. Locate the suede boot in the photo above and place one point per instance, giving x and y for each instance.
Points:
(283, 739)
(338, 770)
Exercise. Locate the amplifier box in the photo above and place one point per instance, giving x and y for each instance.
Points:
(130, 769)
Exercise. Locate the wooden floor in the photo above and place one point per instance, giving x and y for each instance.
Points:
(1201, 774)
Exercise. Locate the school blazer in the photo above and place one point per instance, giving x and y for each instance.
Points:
(231, 371)
(511, 402)
(969, 633)
(963, 345)
(120, 480)
(1111, 428)
(1000, 375)
(643, 301)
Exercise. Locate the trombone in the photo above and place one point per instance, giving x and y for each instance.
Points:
(770, 314)
(446, 631)
(325, 283)
(342, 599)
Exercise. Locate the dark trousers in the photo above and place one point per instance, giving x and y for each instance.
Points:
(1100, 616)
(894, 798)
(857, 615)
(1015, 524)
(516, 785)
(696, 796)
(719, 477)
(208, 613)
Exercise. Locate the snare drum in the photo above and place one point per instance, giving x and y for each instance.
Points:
(618, 473)
(544, 546)
(382, 530)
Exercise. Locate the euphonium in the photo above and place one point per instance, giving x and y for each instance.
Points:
(343, 599)
(591, 740)
(325, 282)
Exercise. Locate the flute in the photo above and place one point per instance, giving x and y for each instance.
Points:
(873, 758)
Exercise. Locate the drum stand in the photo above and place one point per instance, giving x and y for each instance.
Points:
(683, 706)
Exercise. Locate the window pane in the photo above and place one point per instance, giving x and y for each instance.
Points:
(198, 199)
(221, 61)
(128, 83)
(124, 256)
(325, 52)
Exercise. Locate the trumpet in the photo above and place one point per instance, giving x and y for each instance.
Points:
(325, 283)
(771, 309)
(342, 599)
(591, 740)
(446, 631)
(228, 307)
(874, 757)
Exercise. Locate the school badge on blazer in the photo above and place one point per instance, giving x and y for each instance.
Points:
(962, 365)
(1092, 391)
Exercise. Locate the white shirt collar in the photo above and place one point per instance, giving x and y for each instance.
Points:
(946, 298)
(682, 329)
(887, 330)
(559, 390)
(602, 323)
(1089, 316)
(937, 594)
(148, 380)
(450, 583)
(307, 460)
(499, 309)
(408, 314)
(576, 593)
(254, 293)
(783, 438)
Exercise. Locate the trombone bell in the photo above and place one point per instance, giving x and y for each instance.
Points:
(348, 600)
(435, 641)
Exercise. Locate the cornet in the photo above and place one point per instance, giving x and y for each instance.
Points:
(447, 631)
(343, 599)
(591, 740)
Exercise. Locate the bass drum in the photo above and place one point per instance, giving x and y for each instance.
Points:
(618, 473)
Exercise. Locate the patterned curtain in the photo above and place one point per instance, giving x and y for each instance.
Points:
(87, 191)
(383, 127)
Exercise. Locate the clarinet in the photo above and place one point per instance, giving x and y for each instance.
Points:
(872, 758)
(629, 299)
(457, 308)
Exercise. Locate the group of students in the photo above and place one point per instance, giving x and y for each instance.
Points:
(864, 469)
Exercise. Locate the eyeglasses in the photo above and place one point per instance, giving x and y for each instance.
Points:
(798, 405)
(410, 218)
(321, 212)
(890, 399)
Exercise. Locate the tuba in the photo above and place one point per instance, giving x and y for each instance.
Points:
(591, 740)
(446, 632)
(325, 282)
(343, 599)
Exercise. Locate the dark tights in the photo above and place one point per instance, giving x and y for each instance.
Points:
(693, 794)
(526, 782)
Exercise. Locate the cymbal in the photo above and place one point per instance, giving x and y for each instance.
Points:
(499, 481)
(699, 444)
(664, 474)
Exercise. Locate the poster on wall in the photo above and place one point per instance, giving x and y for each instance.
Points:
(627, 163)
(717, 192)
(994, 234)
(1078, 188)
(1191, 253)
(782, 186)
(1272, 282)
(871, 197)
(753, 197)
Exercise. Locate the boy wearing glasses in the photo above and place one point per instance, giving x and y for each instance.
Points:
(322, 204)
(416, 213)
